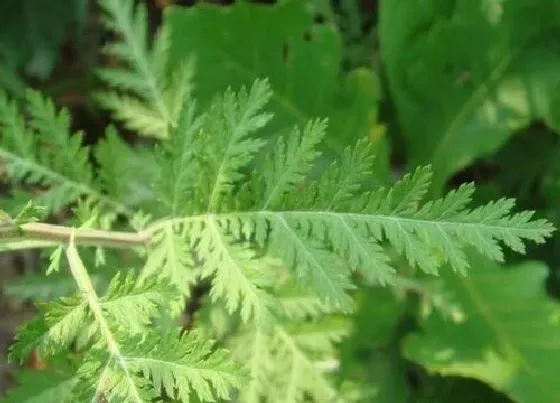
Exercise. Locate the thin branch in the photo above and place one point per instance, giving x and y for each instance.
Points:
(86, 237)
(83, 280)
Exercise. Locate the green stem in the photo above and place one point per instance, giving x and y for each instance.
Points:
(58, 234)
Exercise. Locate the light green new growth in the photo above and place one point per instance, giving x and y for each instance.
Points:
(214, 204)
(42, 152)
(145, 96)
(124, 362)
(328, 229)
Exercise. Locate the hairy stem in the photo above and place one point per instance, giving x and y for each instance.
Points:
(59, 234)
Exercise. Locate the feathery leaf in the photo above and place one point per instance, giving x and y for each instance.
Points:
(145, 96)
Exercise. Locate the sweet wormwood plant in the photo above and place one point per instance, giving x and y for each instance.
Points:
(280, 252)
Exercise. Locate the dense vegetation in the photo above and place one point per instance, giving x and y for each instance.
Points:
(291, 201)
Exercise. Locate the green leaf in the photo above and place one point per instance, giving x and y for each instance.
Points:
(41, 387)
(132, 304)
(39, 287)
(183, 366)
(294, 358)
(427, 233)
(186, 364)
(465, 75)
(125, 172)
(176, 160)
(144, 94)
(53, 331)
(509, 336)
(291, 161)
(301, 59)
(171, 256)
(232, 122)
(6, 222)
(457, 390)
(11, 82)
(27, 151)
(30, 213)
(238, 276)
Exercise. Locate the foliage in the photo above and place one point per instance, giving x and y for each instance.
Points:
(32, 34)
(492, 67)
(155, 92)
(300, 58)
(509, 333)
(237, 233)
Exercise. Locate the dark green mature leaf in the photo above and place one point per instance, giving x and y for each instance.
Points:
(466, 74)
(41, 386)
(236, 45)
(521, 176)
(508, 338)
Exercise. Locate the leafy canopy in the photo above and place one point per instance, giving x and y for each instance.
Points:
(278, 248)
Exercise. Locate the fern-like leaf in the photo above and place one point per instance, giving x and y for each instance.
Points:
(177, 161)
(128, 303)
(291, 161)
(145, 96)
(183, 366)
(230, 123)
(132, 303)
(171, 256)
(54, 329)
(45, 153)
(125, 173)
(127, 361)
(327, 230)
(287, 361)
(343, 179)
(238, 275)
(41, 386)
(427, 234)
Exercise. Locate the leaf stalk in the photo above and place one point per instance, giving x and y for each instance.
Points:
(84, 237)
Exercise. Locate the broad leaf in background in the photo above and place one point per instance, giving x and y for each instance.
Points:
(466, 74)
(510, 335)
(47, 387)
(238, 44)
